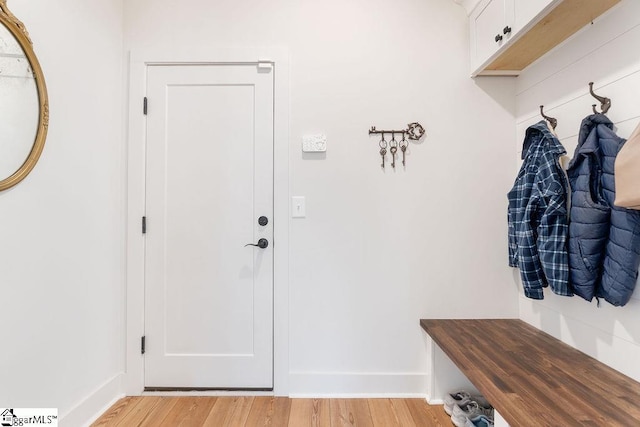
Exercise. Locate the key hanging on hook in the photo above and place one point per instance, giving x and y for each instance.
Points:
(394, 149)
(383, 149)
(403, 147)
(414, 132)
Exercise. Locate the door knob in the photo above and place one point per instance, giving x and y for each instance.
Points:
(262, 244)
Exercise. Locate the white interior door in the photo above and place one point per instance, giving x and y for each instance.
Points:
(208, 298)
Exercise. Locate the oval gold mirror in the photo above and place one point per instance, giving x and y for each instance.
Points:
(24, 106)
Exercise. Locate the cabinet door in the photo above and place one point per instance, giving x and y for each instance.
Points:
(486, 24)
(526, 10)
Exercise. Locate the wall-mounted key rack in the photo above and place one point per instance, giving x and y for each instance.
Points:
(414, 132)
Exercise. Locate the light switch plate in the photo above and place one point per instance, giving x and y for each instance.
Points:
(314, 143)
(298, 208)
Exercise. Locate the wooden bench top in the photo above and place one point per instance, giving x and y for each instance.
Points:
(533, 379)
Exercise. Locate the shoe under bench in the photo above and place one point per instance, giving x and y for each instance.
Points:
(532, 378)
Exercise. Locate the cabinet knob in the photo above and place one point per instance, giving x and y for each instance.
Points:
(498, 38)
(506, 30)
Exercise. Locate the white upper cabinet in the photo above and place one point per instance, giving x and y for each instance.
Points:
(508, 35)
(487, 26)
(525, 11)
(495, 22)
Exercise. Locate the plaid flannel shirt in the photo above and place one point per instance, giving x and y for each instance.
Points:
(538, 216)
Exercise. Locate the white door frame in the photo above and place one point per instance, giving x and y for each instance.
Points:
(136, 141)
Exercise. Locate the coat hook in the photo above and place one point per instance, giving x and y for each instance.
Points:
(552, 121)
(605, 103)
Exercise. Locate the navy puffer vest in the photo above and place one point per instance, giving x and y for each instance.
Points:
(604, 240)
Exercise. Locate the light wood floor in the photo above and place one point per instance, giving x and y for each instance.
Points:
(154, 411)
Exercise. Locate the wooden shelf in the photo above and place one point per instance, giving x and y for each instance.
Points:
(545, 33)
(533, 379)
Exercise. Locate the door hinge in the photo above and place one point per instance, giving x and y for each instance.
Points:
(144, 225)
(142, 345)
(265, 65)
(145, 103)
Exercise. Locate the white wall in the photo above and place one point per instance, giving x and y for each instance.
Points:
(378, 250)
(62, 230)
(605, 53)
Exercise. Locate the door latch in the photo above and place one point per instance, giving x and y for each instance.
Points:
(262, 244)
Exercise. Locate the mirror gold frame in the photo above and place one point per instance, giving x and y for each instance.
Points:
(19, 31)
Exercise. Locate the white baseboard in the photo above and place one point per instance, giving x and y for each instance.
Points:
(357, 385)
(94, 405)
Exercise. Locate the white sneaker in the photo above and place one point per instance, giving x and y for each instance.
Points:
(472, 409)
(479, 421)
(456, 398)
(461, 398)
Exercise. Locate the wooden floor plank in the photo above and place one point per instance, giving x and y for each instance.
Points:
(425, 415)
(390, 412)
(117, 412)
(140, 412)
(310, 413)
(159, 412)
(269, 411)
(383, 413)
(229, 411)
(155, 411)
(404, 414)
(189, 412)
(350, 412)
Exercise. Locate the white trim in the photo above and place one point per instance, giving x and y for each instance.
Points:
(498, 420)
(357, 385)
(134, 377)
(503, 73)
(94, 405)
(138, 61)
(468, 5)
(282, 195)
(431, 369)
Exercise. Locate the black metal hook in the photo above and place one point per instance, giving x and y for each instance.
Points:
(605, 103)
(553, 121)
